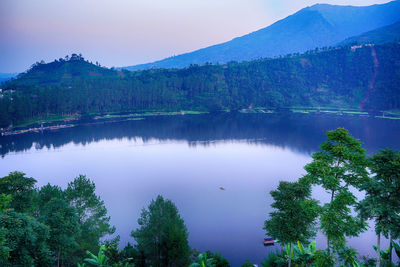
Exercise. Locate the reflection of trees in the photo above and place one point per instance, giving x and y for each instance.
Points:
(299, 132)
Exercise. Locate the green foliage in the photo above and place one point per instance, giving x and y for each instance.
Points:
(97, 260)
(203, 261)
(25, 239)
(301, 256)
(295, 213)
(396, 247)
(219, 260)
(384, 253)
(304, 256)
(91, 212)
(21, 189)
(340, 164)
(247, 264)
(209, 259)
(133, 254)
(323, 258)
(114, 256)
(348, 256)
(47, 193)
(275, 260)
(43, 227)
(382, 200)
(337, 77)
(4, 249)
(62, 221)
(162, 235)
(5, 201)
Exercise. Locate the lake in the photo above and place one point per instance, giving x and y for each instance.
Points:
(187, 159)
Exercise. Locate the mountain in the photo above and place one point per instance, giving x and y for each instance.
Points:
(320, 25)
(365, 77)
(381, 35)
(7, 76)
(62, 71)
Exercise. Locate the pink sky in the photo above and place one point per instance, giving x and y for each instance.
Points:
(129, 32)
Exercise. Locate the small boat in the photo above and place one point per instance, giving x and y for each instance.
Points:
(222, 188)
(269, 241)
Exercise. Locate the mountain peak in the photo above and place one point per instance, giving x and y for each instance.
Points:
(63, 70)
(317, 26)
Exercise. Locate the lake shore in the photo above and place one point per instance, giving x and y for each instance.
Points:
(56, 122)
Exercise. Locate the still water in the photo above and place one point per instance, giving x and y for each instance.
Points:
(187, 159)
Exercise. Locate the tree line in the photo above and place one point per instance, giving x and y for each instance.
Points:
(340, 166)
(365, 78)
(49, 226)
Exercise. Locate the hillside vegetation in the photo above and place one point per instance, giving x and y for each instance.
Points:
(382, 35)
(362, 78)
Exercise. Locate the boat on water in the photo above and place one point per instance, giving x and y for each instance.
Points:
(269, 241)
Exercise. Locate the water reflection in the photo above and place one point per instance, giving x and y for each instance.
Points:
(300, 132)
(187, 159)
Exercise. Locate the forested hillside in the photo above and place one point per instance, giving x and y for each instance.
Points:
(320, 25)
(366, 77)
(382, 35)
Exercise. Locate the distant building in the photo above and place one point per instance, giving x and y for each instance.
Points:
(355, 47)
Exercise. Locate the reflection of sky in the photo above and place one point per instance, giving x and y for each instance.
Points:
(127, 32)
(129, 173)
(128, 176)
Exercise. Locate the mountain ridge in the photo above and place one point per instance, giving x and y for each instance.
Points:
(311, 27)
(364, 78)
(381, 35)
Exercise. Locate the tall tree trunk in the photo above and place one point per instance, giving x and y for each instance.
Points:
(327, 245)
(378, 251)
(58, 259)
(327, 237)
(290, 255)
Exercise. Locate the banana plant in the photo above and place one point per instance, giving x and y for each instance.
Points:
(203, 261)
(303, 256)
(396, 248)
(385, 254)
(99, 260)
(349, 257)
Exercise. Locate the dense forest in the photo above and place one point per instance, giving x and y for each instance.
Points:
(365, 77)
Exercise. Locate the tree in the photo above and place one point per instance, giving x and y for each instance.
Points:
(64, 229)
(47, 193)
(25, 238)
(247, 264)
(382, 200)
(341, 163)
(218, 259)
(208, 259)
(162, 236)
(295, 214)
(21, 189)
(203, 260)
(92, 214)
(4, 250)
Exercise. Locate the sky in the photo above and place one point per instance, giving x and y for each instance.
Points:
(129, 32)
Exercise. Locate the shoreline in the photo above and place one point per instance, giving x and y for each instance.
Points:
(70, 121)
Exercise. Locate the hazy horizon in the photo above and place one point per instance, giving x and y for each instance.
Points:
(130, 32)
